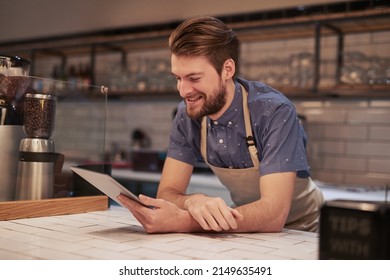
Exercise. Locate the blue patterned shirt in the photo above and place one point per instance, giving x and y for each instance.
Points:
(279, 137)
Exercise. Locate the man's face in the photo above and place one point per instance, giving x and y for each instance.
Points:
(199, 85)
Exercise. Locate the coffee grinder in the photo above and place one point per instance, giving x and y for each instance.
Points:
(14, 80)
(37, 155)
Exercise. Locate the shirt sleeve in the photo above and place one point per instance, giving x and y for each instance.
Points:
(282, 142)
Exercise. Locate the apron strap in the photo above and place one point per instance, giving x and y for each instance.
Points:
(248, 130)
(203, 139)
(250, 140)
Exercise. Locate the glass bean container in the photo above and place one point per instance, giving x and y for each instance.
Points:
(39, 115)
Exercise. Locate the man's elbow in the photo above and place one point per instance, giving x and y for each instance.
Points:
(274, 225)
(276, 228)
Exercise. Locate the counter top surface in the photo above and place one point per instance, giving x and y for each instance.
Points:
(115, 234)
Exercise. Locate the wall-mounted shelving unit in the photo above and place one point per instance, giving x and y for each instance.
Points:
(335, 19)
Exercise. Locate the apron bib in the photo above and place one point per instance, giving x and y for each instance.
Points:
(243, 184)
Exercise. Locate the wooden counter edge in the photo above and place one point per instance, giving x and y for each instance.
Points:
(10, 210)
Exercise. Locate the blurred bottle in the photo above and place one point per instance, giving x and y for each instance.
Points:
(301, 69)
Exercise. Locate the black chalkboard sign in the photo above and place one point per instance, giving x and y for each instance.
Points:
(353, 230)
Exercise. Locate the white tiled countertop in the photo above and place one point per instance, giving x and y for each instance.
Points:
(115, 234)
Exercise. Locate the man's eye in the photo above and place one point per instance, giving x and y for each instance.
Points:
(194, 79)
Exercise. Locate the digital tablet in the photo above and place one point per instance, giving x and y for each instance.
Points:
(106, 184)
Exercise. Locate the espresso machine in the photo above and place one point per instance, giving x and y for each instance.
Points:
(37, 157)
(14, 80)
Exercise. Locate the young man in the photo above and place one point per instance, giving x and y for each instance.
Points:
(248, 133)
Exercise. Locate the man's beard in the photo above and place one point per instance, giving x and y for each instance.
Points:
(212, 104)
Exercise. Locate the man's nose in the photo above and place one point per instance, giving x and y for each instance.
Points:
(184, 88)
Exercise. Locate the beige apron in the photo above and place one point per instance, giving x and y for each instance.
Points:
(243, 184)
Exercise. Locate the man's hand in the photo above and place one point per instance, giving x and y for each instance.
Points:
(163, 216)
(212, 213)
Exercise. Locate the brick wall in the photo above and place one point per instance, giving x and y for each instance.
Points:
(349, 140)
(80, 126)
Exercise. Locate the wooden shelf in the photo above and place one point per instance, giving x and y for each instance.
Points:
(348, 91)
(340, 91)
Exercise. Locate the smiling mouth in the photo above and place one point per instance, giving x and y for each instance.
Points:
(192, 99)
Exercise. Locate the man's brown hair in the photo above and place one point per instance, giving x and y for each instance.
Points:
(205, 36)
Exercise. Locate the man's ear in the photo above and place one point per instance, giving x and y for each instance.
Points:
(229, 69)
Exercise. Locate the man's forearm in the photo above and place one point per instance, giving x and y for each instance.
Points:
(174, 196)
(255, 220)
(258, 217)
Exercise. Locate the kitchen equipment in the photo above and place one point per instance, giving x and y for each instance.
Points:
(14, 80)
(37, 155)
(355, 230)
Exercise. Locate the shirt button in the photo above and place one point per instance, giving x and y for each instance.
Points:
(230, 123)
(220, 141)
(215, 122)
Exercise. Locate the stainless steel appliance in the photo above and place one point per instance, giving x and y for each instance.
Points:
(37, 155)
(14, 72)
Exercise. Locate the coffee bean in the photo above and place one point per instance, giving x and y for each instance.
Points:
(12, 87)
(39, 116)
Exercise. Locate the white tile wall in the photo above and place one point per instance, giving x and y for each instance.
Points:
(349, 140)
